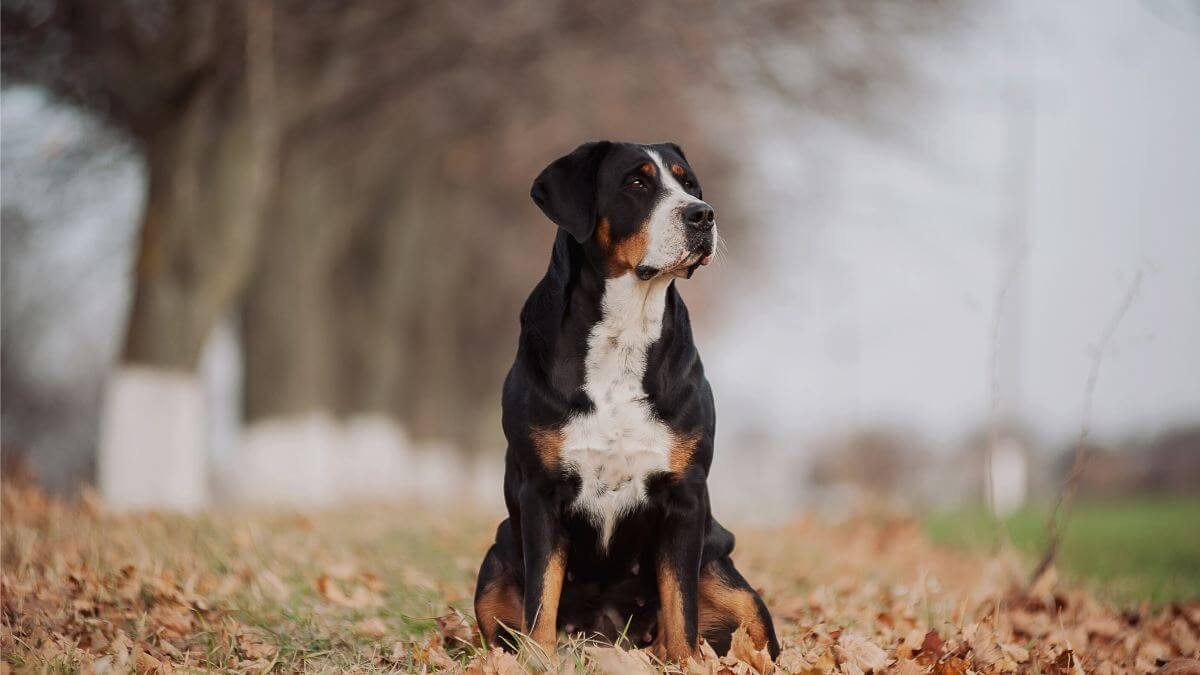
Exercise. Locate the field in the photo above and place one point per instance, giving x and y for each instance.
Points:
(386, 588)
(1125, 550)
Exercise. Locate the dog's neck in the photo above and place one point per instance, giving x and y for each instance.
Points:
(623, 302)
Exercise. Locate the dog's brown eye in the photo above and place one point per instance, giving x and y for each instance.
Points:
(636, 183)
(689, 184)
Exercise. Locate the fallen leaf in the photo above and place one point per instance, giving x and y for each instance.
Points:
(359, 598)
(911, 644)
(860, 653)
(907, 667)
(253, 646)
(456, 630)
(933, 645)
(617, 661)
(147, 665)
(791, 660)
(496, 662)
(1181, 667)
(742, 649)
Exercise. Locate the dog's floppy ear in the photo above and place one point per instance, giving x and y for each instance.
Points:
(566, 190)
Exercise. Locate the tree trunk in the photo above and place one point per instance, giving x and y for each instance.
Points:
(210, 156)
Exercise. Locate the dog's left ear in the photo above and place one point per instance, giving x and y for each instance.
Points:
(566, 190)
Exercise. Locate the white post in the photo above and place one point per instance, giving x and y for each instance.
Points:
(152, 440)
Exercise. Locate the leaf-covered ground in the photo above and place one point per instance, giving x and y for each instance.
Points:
(389, 589)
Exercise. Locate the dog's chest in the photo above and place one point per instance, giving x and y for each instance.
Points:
(621, 442)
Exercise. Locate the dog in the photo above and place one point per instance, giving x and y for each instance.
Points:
(610, 421)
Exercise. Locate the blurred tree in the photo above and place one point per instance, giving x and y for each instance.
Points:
(350, 178)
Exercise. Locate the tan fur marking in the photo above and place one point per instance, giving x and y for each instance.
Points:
(623, 256)
(722, 605)
(677, 170)
(681, 452)
(499, 607)
(648, 169)
(671, 641)
(548, 444)
(604, 234)
(629, 251)
(545, 629)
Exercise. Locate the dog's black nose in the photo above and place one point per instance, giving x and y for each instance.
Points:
(700, 216)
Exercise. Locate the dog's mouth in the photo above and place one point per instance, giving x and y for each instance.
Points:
(695, 260)
(686, 266)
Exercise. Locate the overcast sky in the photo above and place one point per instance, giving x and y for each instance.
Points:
(1070, 126)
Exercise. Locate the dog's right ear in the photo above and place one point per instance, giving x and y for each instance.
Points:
(566, 190)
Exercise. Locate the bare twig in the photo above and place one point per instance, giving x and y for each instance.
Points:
(1055, 525)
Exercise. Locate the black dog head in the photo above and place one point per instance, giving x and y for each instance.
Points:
(635, 208)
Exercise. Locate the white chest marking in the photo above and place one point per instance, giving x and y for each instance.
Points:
(614, 448)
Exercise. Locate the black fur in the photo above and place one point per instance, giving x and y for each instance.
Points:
(545, 387)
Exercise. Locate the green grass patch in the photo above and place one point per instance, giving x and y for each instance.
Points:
(1127, 550)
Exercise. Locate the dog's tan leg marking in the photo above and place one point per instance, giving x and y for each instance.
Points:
(545, 628)
(671, 644)
(722, 606)
(498, 608)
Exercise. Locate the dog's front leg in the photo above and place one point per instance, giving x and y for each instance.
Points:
(545, 553)
(678, 559)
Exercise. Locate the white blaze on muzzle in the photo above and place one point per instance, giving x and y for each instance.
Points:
(666, 241)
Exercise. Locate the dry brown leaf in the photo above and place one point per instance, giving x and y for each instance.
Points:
(907, 667)
(617, 661)
(1015, 652)
(253, 647)
(1103, 626)
(911, 644)
(120, 648)
(148, 665)
(951, 666)
(1154, 650)
(173, 622)
(791, 660)
(1184, 637)
(705, 661)
(822, 659)
(496, 662)
(742, 649)
(359, 598)
(1181, 667)
(456, 630)
(860, 654)
(431, 652)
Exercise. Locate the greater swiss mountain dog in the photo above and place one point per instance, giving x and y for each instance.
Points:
(610, 423)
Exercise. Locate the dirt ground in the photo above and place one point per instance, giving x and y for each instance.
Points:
(388, 589)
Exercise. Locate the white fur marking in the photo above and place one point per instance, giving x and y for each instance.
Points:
(667, 238)
(614, 448)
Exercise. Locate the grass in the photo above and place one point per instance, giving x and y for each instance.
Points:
(1127, 550)
(386, 588)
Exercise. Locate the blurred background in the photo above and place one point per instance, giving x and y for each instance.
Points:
(274, 251)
